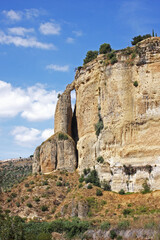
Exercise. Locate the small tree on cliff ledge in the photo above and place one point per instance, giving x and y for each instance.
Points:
(105, 48)
(90, 56)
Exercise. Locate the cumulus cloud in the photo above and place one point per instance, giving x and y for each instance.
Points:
(24, 42)
(50, 28)
(20, 31)
(58, 68)
(27, 137)
(13, 15)
(33, 103)
(70, 40)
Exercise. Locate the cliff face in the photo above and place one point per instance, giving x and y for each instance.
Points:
(124, 99)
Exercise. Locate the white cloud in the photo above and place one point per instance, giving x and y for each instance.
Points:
(50, 28)
(58, 68)
(28, 137)
(78, 33)
(34, 103)
(13, 15)
(24, 42)
(20, 31)
(33, 12)
(70, 40)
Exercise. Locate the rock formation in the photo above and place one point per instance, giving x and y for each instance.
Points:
(123, 102)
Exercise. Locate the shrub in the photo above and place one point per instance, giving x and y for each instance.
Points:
(62, 136)
(60, 178)
(114, 60)
(59, 184)
(121, 192)
(99, 192)
(26, 184)
(105, 226)
(44, 236)
(17, 204)
(113, 234)
(86, 171)
(81, 179)
(146, 188)
(90, 56)
(37, 199)
(127, 211)
(44, 208)
(89, 186)
(29, 205)
(93, 178)
(106, 185)
(105, 48)
(123, 225)
(44, 183)
(13, 195)
(31, 182)
(110, 55)
(80, 185)
(79, 68)
(139, 38)
(100, 159)
(135, 83)
(99, 126)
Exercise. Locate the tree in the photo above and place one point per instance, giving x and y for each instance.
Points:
(105, 48)
(139, 38)
(90, 56)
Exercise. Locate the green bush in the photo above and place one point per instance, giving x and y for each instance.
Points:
(17, 204)
(86, 171)
(44, 183)
(135, 83)
(113, 234)
(146, 188)
(90, 56)
(140, 38)
(26, 184)
(99, 192)
(127, 211)
(80, 185)
(105, 48)
(13, 195)
(106, 185)
(93, 178)
(89, 186)
(105, 226)
(29, 205)
(100, 159)
(59, 184)
(44, 208)
(81, 179)
(99, 126)
(114, 60)
(44, 236)
(36, 199)
(123, 225)
(121, 192)
(62, 136)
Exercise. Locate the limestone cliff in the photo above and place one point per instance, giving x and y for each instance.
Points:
(124, 99)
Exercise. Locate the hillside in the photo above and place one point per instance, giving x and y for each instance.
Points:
(60, 195)
(14, 171)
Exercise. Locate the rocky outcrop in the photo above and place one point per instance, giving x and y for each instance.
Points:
(123, 102)
(56, 153)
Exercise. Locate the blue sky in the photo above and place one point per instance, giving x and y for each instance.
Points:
(41, 43)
